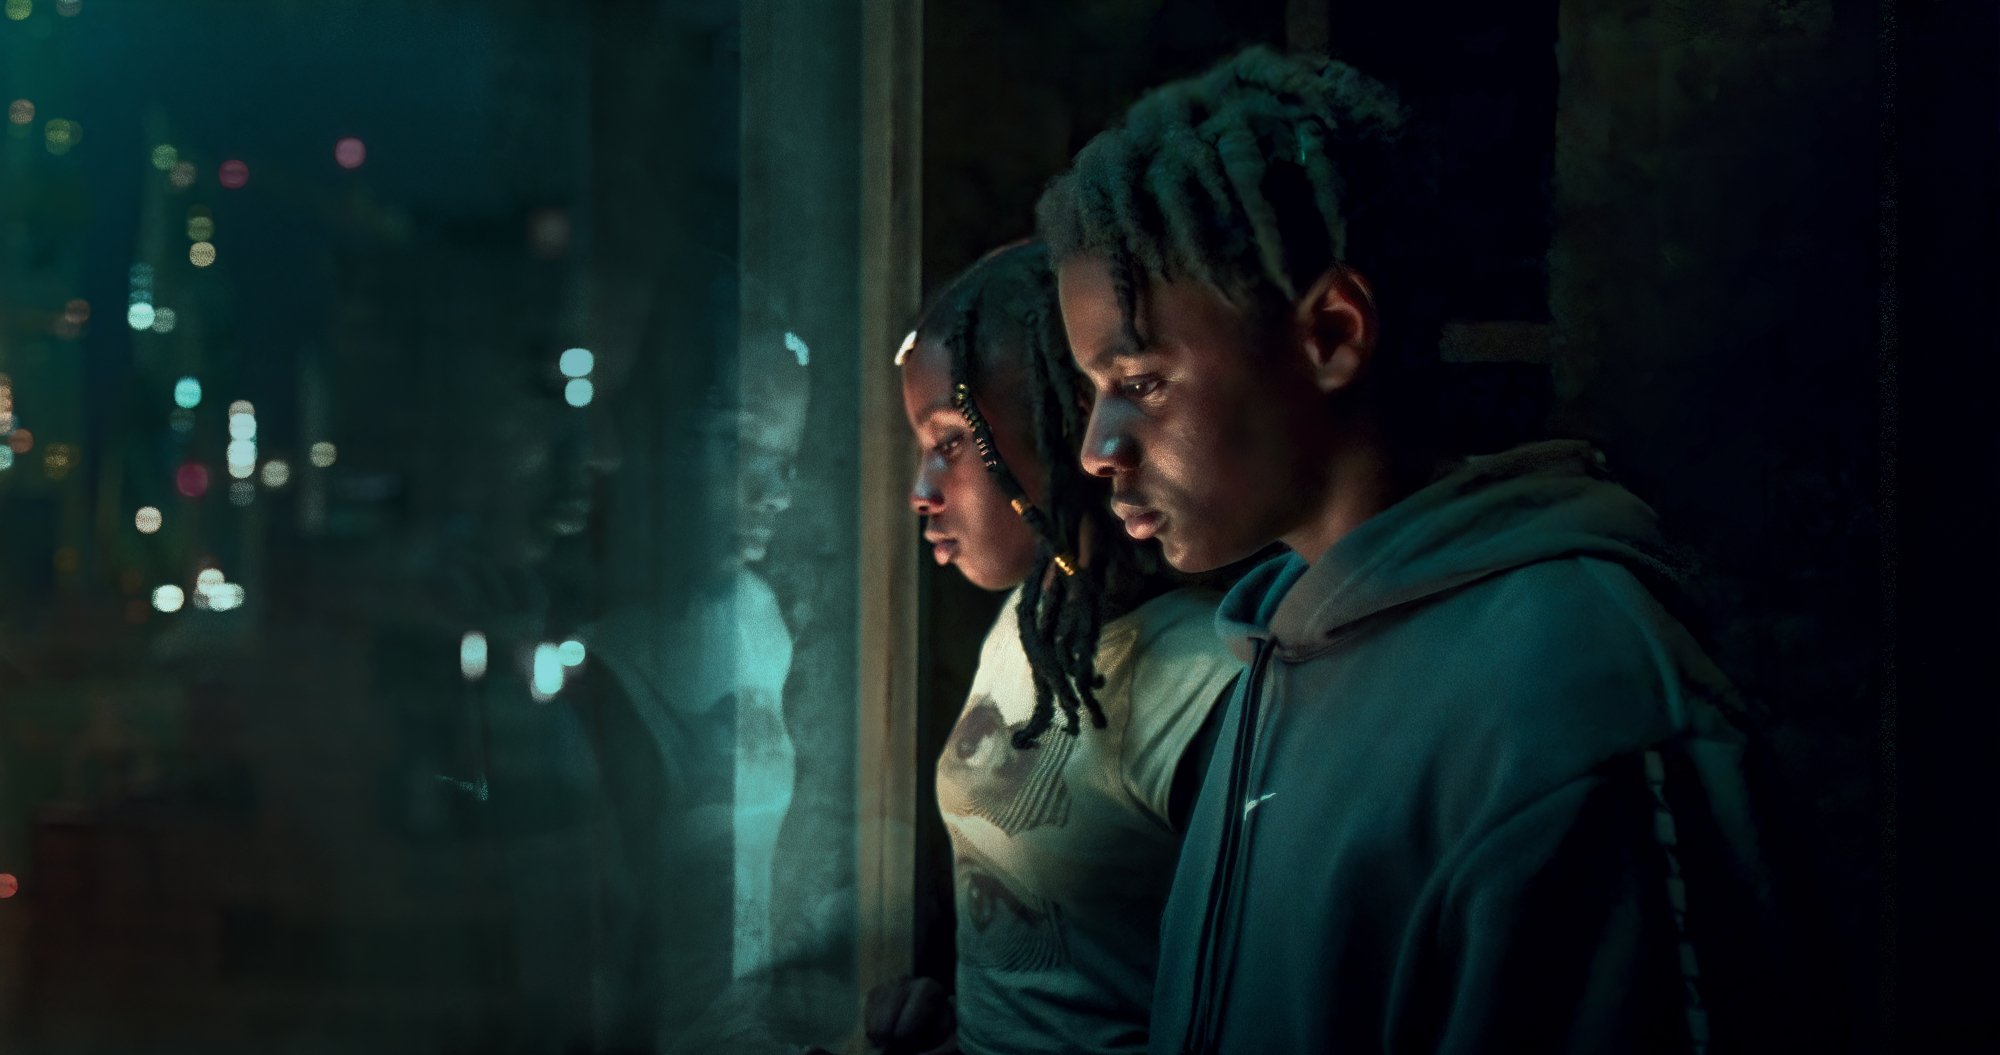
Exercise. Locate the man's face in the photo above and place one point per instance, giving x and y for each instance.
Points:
(1213, 434)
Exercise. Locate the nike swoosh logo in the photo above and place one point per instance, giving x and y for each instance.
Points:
(1252, 804)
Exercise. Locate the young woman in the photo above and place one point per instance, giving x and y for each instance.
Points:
(1065, 783)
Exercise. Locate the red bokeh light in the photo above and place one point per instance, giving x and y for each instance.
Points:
(9, 886)
(192, 480)
(350, 152)
(233, 174)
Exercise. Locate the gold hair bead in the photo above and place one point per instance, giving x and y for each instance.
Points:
(1020, 507)
(1063, 563)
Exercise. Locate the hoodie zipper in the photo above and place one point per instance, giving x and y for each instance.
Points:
(1205, 1021)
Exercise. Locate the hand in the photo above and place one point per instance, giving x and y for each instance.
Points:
(911, 1016)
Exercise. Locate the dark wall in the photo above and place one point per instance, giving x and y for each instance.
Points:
(1944, 121)
(1714, 283)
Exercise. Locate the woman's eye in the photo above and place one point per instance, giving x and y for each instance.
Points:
(1139, 387)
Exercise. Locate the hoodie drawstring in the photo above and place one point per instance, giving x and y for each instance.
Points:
(1205, 1022)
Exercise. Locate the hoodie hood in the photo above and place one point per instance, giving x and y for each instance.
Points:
(1543, 501)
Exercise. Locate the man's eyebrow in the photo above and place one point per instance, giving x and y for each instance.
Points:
(1120, 347)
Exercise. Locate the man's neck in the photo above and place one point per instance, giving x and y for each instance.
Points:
(1363, 478)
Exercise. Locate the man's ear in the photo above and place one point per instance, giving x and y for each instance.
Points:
(1336, 325)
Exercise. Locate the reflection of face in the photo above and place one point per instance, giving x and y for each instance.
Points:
(1212, 438)
(768, 434)
(971, 524)
(551, 453)
(754, 446)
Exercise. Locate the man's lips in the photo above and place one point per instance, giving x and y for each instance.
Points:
(943, 547)
(1140, 522)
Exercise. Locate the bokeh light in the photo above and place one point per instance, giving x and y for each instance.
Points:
(472, 655)
(225, 597)
(191, 480)
(164, 156)
(242, 406)
(201, 254)
(549, 233)
(182, 176)
(548, 673)
(242, 493)
(276, 473)
(242, 458)
(77, 311)
(58, 460)
(577, 362)
(21, 111)
(187, 393)
(68, 8)
(571, 653)
(164, 320)
(350, 152)
(182, 421)
(242, 425)
(169, 598)
(232, 174)
(61, 135)
(147, 520)
(209, 577)
(201, 228)
(19, 10)
(21, 441)
(140, 316)
(579, 391)
(6, 458)
(797, 346)
(322, 454)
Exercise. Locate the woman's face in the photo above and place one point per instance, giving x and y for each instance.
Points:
(971, 523)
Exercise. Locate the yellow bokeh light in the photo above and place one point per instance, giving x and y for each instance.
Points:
(201, 228)
(19, 10)
(201, 254)
(182, 176)
(20, 111)
(322, 454)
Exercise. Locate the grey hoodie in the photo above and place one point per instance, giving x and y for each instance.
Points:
(1475, 792)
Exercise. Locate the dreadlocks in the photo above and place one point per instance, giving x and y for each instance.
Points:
(1255, 178)
(1000, 320)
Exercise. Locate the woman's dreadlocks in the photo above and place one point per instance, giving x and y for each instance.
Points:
(1255, 178)
(1000, 320)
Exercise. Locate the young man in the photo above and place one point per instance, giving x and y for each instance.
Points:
(1475, 792)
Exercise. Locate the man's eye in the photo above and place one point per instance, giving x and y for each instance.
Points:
(1139, 387)
(949, 447)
